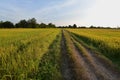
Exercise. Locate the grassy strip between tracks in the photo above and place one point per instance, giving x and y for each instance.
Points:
(106, 41)
(79, 70)
(80, 43)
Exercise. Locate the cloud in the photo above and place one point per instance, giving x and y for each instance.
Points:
(9, 11)
(103, 13)
(51, 8)
(63, 12)
(54, 11)
(76, 13)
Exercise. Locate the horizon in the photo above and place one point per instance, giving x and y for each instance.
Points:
(63, 12)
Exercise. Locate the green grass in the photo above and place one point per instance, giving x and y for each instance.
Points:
(35, 53)
(106, 41)
(49, 66)
(21, 51)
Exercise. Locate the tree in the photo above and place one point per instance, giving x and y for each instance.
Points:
(32, 23)
(8, 24)
(1, 22)
(22, 24)
(74, 26)
(70, 26)
(92, 26)
(42, 25)
(50, 25)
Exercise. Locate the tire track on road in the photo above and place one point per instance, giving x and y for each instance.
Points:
(98, 67)
(82, 68)
(66, 68)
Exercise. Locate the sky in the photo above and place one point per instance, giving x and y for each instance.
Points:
(63, 12)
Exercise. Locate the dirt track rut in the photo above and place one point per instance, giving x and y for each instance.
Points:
(67, 71)
(92, 67)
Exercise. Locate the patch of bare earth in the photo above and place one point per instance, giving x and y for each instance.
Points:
(101, 66)
(84, 66)
(66, 68)
(98, 66)
(82, 70)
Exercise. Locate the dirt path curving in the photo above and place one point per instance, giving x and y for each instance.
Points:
(96, 64)
(88, 66)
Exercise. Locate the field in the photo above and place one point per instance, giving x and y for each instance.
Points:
(59, 54)
(107, 41)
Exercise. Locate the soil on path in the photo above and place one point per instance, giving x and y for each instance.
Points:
(88, 66)
(66, 68)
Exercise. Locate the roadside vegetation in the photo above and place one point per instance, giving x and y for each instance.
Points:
(59, 54)
(106, 41)
(21, 52)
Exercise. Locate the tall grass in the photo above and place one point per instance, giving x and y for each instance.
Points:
(107, 41)
(49, 66)
(22, 49)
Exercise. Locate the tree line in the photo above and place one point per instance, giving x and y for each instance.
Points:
(31, 23)
(88, 27)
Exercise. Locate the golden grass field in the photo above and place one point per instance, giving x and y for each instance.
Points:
(36, 54)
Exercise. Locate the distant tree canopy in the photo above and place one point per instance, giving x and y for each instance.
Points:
(22, 23)
(74, 26)
(31, 23)
(6, 24)
(43, 25)
(51, 25)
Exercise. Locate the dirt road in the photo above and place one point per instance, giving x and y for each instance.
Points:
(86, 65)
(68, 73)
